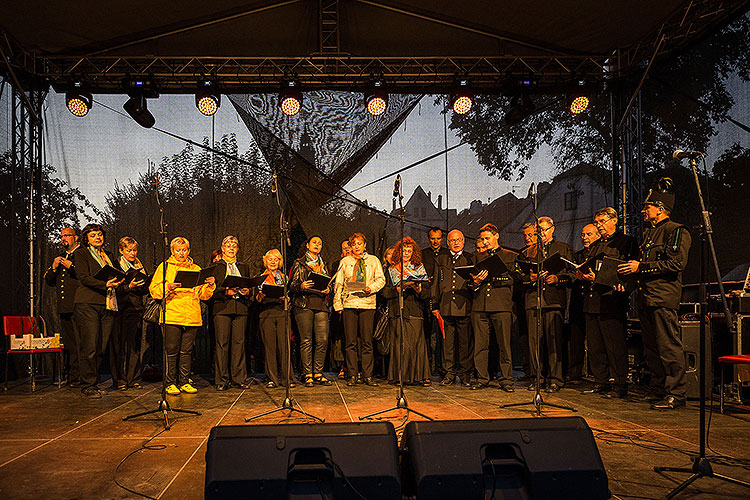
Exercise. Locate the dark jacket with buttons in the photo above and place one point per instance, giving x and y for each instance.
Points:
(91, 290)
(496, 294)
(602, 299)
(66, 282)
(224, 304)
(580, 288)
(450, 292)
(554, 296)
(663, 256)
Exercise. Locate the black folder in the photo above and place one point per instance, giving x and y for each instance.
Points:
(108, 272)
(554, 264)
(272, 291)
(191, 279)
(137, 275)
(242, 281)
(320, 281)
(587, 265)
(607, 274)
(494, 266)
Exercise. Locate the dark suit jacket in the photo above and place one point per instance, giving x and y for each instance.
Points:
(229, 304)
(66, 282)
(450, 292)
(91, 290)
(429, 257)
(553, 296)
(496, 294)
(130, 299)
(603, 299)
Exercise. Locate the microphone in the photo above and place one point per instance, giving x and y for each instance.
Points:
(531, 190)
(397, 186)
(680, 154)
(156, 181)
(274, 187)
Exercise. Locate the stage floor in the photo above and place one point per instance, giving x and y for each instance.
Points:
(59, 444)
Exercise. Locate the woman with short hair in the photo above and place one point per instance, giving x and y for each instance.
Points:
(272, 323)
(181, 316)
(358, 280)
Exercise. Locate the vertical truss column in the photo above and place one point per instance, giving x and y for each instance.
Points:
(26, 182)
(631, 170)
(329, 39)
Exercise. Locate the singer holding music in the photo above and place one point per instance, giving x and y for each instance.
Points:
(181, 315)
(358, 279)
(272, 320)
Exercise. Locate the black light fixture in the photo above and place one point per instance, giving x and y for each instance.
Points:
(139, 89)
(77, 100)
(376, 99)
(290, 98)
(521, 106)
(461, 98)
(207, 98)
(579, 96)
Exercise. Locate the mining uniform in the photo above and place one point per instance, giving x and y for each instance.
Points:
(66, 283)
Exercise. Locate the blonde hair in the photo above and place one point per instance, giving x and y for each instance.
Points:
(274, 252)
(180, 240)
(126, 241)
(229, 239)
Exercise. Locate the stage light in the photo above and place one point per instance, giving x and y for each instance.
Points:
(290, 98)
(207, 98)
(579, 104)
(461, 98)
(521, 106)
(78, 103)
(376, 100)
(137, 108)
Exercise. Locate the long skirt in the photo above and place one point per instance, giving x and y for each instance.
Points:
(416, 363)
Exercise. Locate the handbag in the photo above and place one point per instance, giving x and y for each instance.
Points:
(152, 310)
(382, 332)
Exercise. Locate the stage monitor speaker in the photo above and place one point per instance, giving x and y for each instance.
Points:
(690, 333)
(303, 461)
(553, 458)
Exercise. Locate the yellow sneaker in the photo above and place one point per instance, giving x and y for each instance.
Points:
(172, 390)
(189, 389)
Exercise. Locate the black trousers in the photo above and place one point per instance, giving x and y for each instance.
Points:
(665, 354)
(577, 346)
(552, 335)
(607, 345)
(95, 325)
(458, 340)
(312, 326)
(125, 348)
(71, 340)
(178, 343)
(501, 322)
(230, 364)
(358, 323)
(275, 345)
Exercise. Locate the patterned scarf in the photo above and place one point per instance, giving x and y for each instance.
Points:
(316, 263)
(359, 273)
(103, 260)
(273, 277)
(125, 264)
(410, 272)
(232, 269)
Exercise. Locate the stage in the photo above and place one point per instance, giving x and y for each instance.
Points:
(59, 444)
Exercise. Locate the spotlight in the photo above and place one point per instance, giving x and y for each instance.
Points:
(78, 103)
(138, 110)
(207, 99)
(579, 104)
(290, 98)
(462, 99)
(376, 100)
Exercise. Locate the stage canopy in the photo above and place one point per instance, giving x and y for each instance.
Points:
(420, 45)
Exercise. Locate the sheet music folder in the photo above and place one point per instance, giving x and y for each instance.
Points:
(320, 281)
(242, 281)
(554, 264)
(191, 279)
(494, 266)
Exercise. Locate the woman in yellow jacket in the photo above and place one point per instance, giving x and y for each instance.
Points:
(183, 314)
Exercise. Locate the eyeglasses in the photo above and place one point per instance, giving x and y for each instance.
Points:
(601, 222)
(454, 240)
(544, 229)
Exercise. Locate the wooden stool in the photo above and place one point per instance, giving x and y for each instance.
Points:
(734, 359)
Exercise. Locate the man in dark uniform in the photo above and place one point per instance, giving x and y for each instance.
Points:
(62, 275)
(577, 319)
(662, 259)
(554, 300)
(606, 309)
(451, 299)
(493, 303)
(432, 329)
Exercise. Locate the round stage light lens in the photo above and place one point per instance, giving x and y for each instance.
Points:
(462, 105)
(376, 105)
(78, 105)
(290, 105)
(208, 105)
(579, 104)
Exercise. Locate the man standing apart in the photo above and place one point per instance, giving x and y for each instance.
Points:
(62, 275)
(662, 259)
(451, 299)
(432, 329)
(589, 235)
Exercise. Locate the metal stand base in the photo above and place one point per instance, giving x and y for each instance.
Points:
(164, 409)
(401, 404)
(701, 468)
(538, 402)
(288, 404)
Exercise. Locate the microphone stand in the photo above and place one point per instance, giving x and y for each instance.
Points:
(537, 400)
(701, 465)
(288, 403)
(164, 408)
(401, 403)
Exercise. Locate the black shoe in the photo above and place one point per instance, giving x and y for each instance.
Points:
(553, 387)
(92, 393)
(221, 387)
(574, 381)
(532, 387)
(370, 381)
(426, 382)
(668, 403)
(601, 388)
(321, 380)
(136, 385)
(244, 385)
(507, 388)
(271, 385)
(475, 386)
(309, 381)
(649, 397)
(75, 384)
(351, 381)
(466, 382)
(447, 381)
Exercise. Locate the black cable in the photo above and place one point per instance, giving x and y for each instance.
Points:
(144, 446)
(346, 479)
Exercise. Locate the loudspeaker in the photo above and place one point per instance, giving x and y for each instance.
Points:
(553, 458)
(690, 333)
(303, 461)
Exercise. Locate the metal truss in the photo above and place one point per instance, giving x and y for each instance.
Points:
(631, 170)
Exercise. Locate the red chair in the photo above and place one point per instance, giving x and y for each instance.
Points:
(24, 325)
(734, 359)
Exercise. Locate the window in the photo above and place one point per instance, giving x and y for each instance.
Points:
(571, 200)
